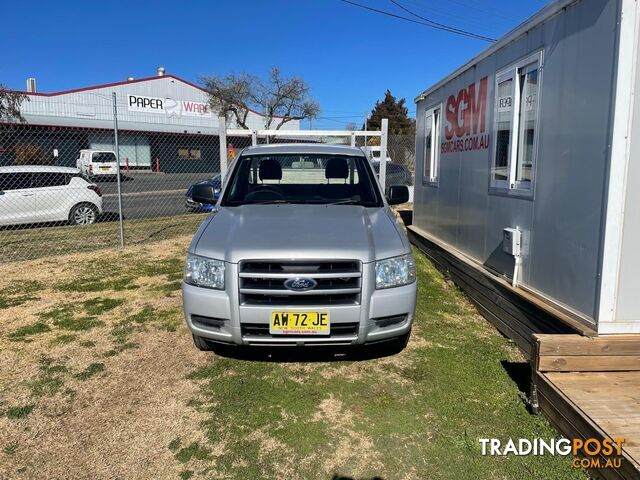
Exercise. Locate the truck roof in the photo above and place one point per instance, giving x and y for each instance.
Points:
(302, 148)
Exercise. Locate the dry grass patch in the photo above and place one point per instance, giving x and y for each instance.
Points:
(81, 394)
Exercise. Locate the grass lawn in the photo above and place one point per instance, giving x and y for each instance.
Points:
(26, 243)
(100, 379)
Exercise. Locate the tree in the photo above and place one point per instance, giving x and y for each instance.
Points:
(281, 99)
(401, 142)
(396, 112)
(10, 102)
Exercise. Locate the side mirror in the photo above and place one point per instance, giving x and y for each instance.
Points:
(398, 194)
(204, 194)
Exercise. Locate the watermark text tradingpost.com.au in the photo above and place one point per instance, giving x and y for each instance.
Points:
(587, 453)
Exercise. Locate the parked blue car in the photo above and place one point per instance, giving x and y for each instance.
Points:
(216, 183)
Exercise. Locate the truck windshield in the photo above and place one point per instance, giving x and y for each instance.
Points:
(302, 179)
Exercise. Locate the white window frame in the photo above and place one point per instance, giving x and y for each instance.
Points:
(511, 185)
(434, 158)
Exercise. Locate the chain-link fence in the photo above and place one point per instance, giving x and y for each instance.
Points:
(60, 192)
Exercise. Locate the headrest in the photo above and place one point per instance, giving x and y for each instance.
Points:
(270, 170)
(336, 168)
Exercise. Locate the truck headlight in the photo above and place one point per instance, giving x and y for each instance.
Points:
(395, 272)
(204, 272)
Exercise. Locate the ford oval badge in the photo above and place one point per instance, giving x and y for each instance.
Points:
(299, 284)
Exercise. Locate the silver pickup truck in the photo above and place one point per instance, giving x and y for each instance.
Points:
(301, 249)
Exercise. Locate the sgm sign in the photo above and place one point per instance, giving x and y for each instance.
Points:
(466, 115)
(169, 106)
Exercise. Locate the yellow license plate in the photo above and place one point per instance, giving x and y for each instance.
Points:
(105, 168)
(299, 323)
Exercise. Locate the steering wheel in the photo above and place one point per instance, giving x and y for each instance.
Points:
(265, 193)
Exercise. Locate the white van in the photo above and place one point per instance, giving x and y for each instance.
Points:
(97, 163)
(36, 194)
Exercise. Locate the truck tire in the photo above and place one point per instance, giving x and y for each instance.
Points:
(397, 345)
(202, 344)
(83, 214)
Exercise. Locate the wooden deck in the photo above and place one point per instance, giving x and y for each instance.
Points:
(590, 388)
(610, 399)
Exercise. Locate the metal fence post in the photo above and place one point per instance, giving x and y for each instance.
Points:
(115, 134)
(353, 139)
(366, 118)
(222, 121)
(254, 138)
(384, 127)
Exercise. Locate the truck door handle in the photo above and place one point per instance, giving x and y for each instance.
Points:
(27, 194)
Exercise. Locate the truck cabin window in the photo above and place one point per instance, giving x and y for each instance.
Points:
(302, 179)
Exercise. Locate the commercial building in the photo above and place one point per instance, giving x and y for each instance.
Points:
(527, 175)
(164, 122)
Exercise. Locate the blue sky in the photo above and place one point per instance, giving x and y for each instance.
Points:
(348, 55)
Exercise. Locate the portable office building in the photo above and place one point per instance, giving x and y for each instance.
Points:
(528, 166)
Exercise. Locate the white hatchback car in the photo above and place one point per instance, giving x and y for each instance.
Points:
(36, 194)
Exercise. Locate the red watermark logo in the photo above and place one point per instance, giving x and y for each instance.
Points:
(466, 115)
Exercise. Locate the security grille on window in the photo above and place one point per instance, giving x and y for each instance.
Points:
(516, 125)
(431, 142)
(189, 154)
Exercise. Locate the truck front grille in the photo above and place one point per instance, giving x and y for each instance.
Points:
(262, 282)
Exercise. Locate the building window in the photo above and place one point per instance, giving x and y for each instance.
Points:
(516, 126)
(189, 154)
(431, 149)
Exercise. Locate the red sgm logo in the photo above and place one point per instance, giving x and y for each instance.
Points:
(466, 115)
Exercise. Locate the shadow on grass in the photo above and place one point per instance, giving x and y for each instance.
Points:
(340, 477)
(520, 373)
(309, 354)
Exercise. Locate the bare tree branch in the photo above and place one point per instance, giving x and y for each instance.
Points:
(279, 97)
(10, 102)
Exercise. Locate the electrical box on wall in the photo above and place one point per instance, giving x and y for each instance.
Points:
(512, 241)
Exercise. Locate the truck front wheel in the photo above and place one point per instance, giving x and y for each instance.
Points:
(397, 344)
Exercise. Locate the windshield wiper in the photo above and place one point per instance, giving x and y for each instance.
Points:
(266, 202)
(346, 202)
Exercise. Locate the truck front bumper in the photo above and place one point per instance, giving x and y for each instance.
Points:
(381, 315)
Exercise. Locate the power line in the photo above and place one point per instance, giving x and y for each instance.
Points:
(426, 22)
(442, 25)
(475, 17)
